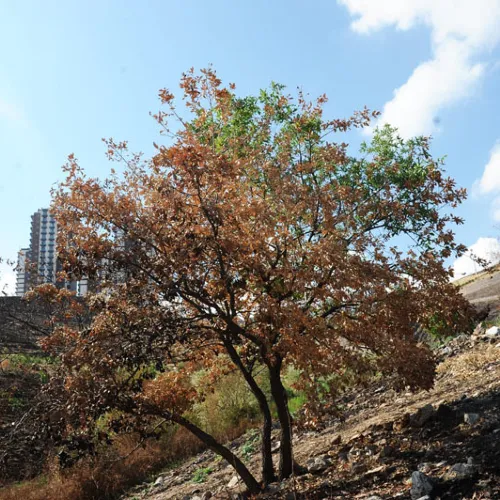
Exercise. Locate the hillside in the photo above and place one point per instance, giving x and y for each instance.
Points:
(450, 433)
(385, 438)
(482, 289)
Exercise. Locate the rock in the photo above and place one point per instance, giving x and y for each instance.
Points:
(196, 497)
(445, 414)
(275, 447)
(386, 451)
(234, 482)
(377, 470)
(426, 497)
(356, 437)
(325, 485)
(388, 426)
(370, 450)
(401, 423)
(422, 416)
(207, 495)
(471, 418)
(421, 485)
(359, 468)
(446, 351)
(159, 481)
(424, 467)
(494, 331)
(318, 464)
(478, 330)
(462, 471)
(337, 440)
(273, 488)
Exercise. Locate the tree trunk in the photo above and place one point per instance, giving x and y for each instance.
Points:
(281, 399)
(246, 476)
(268, 475)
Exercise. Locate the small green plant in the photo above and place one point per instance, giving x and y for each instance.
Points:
(251, 444)
(492, 322)
(200, 475)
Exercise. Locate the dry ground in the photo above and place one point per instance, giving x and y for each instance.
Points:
(375, 450)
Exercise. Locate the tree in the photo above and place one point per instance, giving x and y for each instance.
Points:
(252, 240)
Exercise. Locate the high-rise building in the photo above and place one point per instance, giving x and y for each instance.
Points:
(22, 273)
(38, 264)
(43, 254)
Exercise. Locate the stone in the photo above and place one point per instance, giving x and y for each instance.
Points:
(159, 481)
(337, 440)
(207, 495)
(318, 464)
(401, 423)
(377, 470)
(421, 485)
(234, 482)
(445, 414)
(446, 351)
(422, 416)
(463, 470)
(359, 468)
(388, 426)
(494, 331)
(471, 418)
(273, 488)
(424, 467)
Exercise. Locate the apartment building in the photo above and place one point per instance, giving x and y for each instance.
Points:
(38, 264)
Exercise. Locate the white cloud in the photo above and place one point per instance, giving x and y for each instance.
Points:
(485, 248)
(11, 109)
(489, 183)
(490, 180)
(496, 209)
(7, 280)
(461, 32)
(11, 112)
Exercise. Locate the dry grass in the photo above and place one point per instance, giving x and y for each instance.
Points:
(470, 362)
(471, 278)
(110, 475)
(104, 477)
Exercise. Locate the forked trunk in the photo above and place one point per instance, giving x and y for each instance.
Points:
(240, 468)
(281, 399)
(268, 475)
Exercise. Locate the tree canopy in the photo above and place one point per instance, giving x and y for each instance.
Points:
(253, 239)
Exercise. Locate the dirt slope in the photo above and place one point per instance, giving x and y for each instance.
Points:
(482, 289)
(376, 449)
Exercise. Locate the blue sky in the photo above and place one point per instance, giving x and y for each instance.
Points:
(74, 72)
